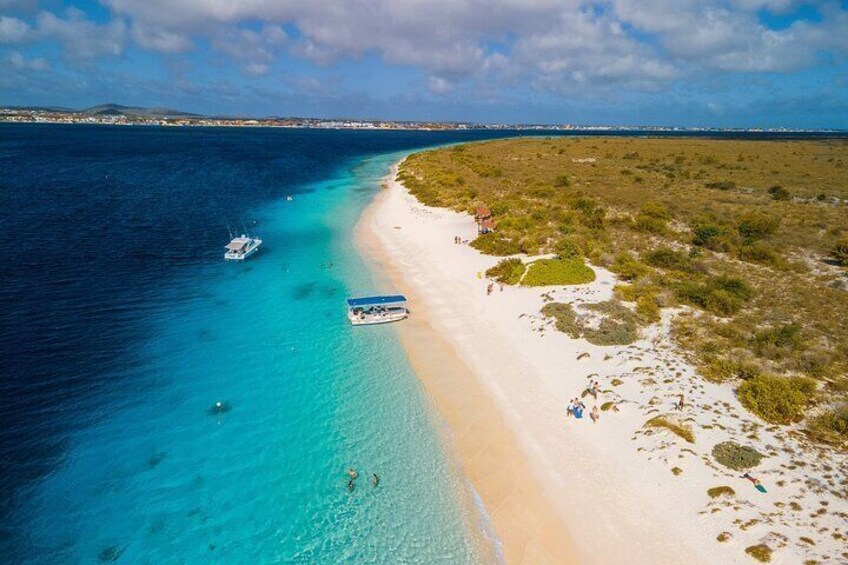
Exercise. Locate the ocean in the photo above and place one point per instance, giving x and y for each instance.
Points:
(122, 327)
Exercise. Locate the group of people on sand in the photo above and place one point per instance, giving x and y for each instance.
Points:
(576, 407)
(353, 475)
(458, 240)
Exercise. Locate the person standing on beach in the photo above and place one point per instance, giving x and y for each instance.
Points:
(595, 414)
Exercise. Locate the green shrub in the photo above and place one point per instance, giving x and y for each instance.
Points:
(721, 369)
(562, 181)
(759, 252)
(667, 258)
(754, 226)
(652, 218)
(778, 342)
(840, 253)
(552, 272)
(628, 267)
(761, 552)
(777, 192)
(568, 249)
(647, 309)
(830, 426)
(493, 244)
(722, 296)
(507, 271)
(735, 456)
(715, 492)
(777, 400)
(708, 234)
(565, 318)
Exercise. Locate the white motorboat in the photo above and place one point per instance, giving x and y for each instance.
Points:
(242, 247)
(376, 310)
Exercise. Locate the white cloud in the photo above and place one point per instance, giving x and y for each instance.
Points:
(13, 30)
(83, 39)
(18, 61)
(159, 39)
(571, 46)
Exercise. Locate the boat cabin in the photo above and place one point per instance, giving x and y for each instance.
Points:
(376, 309)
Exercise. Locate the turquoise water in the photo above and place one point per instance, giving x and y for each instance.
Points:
(160, 478)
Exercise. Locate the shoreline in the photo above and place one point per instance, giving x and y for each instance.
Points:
(527, 528)
(579, 525)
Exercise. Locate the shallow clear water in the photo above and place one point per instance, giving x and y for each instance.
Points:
(124, 328)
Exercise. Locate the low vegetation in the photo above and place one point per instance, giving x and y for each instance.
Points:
(605, 323)
(554, 272)
(750, 236)
(735, 456)
(507, 271)
(677, 429)
(761, 552)
(831, 426)
(715, 492)
(777, 400)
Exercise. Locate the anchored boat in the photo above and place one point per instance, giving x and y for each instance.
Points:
(376, 310)
(242, 247)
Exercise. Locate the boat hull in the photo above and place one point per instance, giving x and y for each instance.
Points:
(373, 320)
(242, 256)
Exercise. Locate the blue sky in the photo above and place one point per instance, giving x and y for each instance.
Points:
(752, 63)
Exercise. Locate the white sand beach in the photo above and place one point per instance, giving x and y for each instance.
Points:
(560, 489)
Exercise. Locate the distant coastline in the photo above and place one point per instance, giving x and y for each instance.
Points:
(115, 114)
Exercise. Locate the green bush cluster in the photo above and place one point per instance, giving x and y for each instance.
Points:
(779, 342)
(628, 267)
(567, 248)
(754, 226)
(652, 217)
(709, 234)
(669, 259)
(720, 369)
(494, 244)
(554, 272)
(507, 271)
(722, 296)
(777, 400)
(735, 456)
(831, 426)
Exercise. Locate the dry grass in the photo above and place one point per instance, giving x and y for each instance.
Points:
(677, 429)
(703, 226)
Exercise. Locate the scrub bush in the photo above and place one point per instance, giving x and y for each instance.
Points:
(735, 456)
(554, 272)
(507, 271)
(777, 400)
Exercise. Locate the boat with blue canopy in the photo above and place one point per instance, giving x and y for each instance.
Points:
(376, 309)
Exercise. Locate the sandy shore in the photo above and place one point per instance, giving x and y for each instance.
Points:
(561, 490)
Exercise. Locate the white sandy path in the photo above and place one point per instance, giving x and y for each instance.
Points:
(610, 481)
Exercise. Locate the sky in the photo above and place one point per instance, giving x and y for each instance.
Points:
(723, 63)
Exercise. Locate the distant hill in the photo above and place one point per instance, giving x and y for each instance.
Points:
(113, 110)
(136, 111)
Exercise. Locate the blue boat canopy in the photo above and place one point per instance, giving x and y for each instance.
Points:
(376, 300)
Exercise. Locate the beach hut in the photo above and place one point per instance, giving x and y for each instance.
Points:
(483, 216)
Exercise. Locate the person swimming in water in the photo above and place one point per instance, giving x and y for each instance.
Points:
(350, 485)
(352, 474)
(375, 480)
